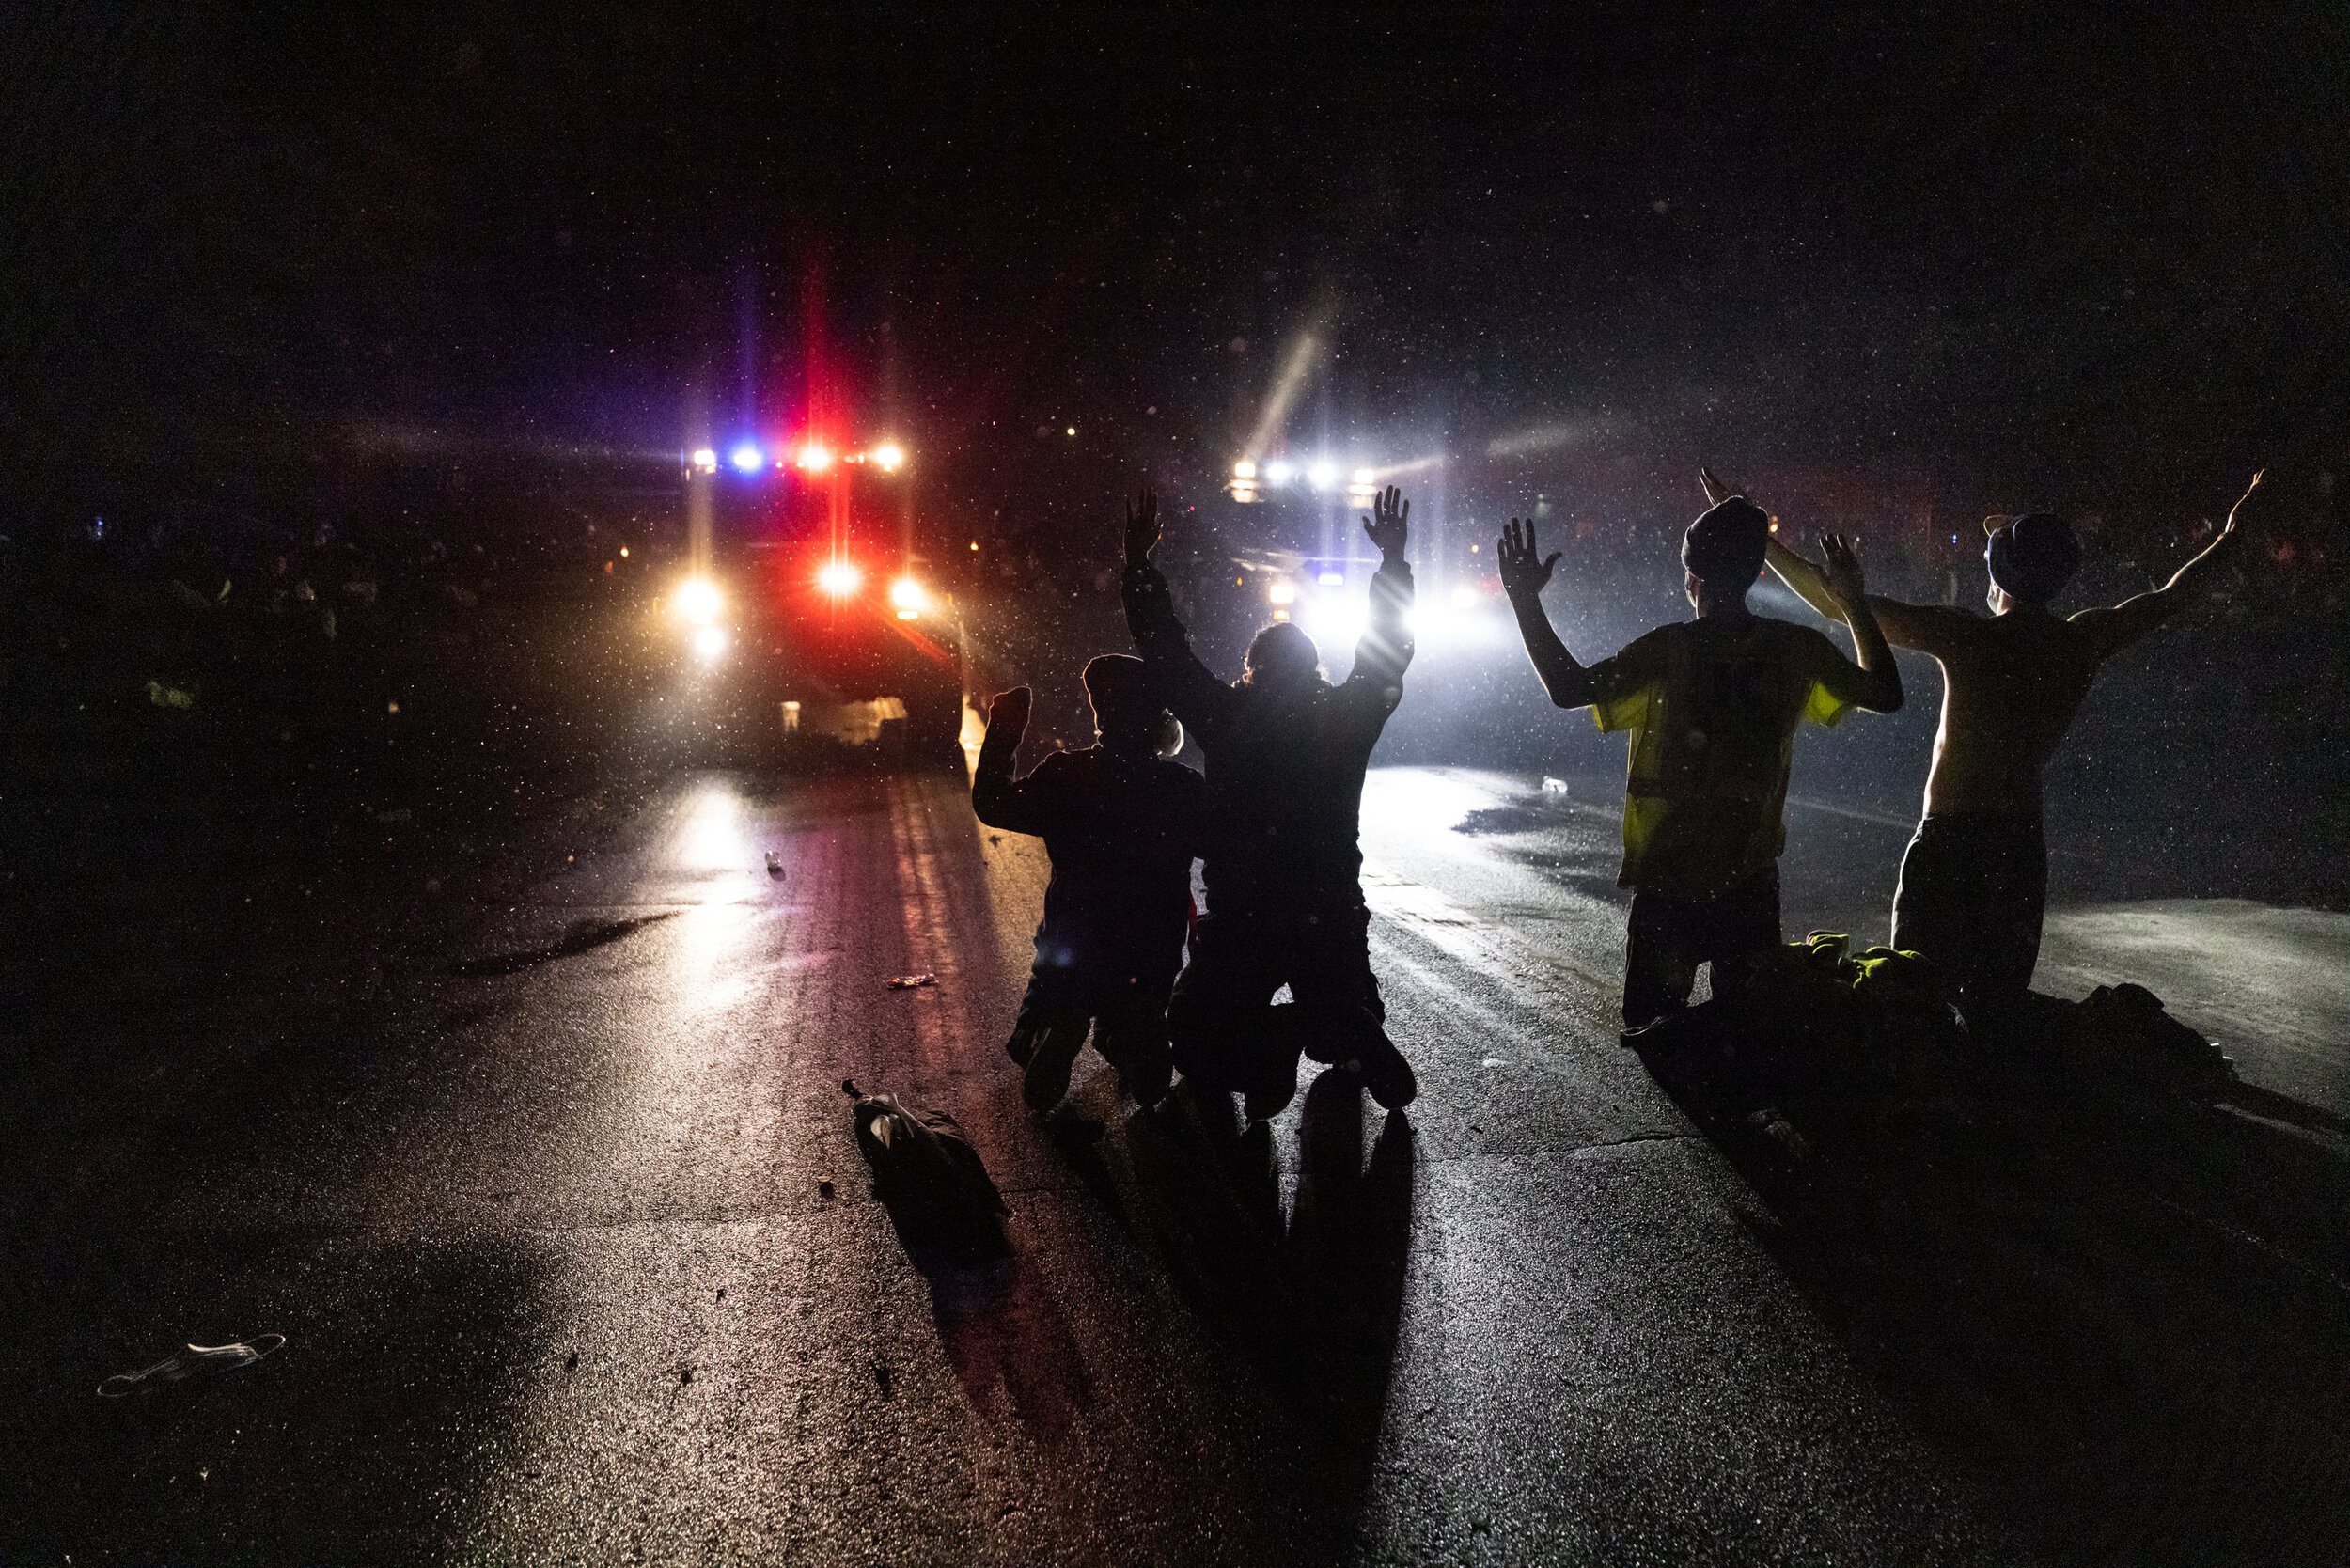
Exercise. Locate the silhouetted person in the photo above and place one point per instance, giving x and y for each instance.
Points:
(1974, 882)
(1121, 822)
(1286, 754)
(1713, 706)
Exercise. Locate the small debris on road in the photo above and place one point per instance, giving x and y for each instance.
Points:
(571, 1362)
(823, 1189)
(775, 864)
(194, 1361)
(907, 982)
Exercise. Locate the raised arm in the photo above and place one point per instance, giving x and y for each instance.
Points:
(1387, 647)
(1190, 689)
(2125, 624)
(1843, 582)
(1016, 806)
(1926, 627)
(1524, 576)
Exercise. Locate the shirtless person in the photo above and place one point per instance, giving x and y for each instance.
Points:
(1974, 882)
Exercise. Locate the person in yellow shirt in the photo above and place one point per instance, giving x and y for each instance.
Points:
(1974, 881)
(1713, 706)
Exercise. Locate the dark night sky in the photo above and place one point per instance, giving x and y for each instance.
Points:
(2074, 257)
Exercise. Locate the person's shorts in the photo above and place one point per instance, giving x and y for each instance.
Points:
(1973, 890)
(1672, 934)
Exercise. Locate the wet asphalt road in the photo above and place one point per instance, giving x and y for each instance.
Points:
(577, 1262)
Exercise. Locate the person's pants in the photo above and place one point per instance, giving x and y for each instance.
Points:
(1128, 1016)
(1672, 934)
(1228, 1035)
(1973, 889)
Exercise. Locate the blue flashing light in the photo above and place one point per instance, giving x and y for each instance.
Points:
(747, 458)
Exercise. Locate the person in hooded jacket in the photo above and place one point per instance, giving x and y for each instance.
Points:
(1974, 881)
(1286, 751)
(1121, 822)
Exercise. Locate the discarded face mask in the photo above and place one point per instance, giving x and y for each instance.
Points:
(194, 1361)
(907, 982)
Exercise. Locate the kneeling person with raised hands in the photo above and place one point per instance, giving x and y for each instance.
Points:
(1712, 705)
(1121, 822)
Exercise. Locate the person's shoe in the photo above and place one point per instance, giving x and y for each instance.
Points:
(1045, 1082)
(1668, 1031)
(1146, 1077)
(1388, 1075)
(1022, 1046)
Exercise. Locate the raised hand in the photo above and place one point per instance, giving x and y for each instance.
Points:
(1142, 526)
(1524, 573)
(1010, 710)
(1842, 573)
(1716, 492)
(1390, 523)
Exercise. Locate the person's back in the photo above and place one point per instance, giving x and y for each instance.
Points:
(2012, 686)
(1120, 832)
(1285, 789)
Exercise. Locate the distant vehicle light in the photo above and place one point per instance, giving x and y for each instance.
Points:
(1073, 430)
(747, 458)
(839, 579)
(1322, 476)
(1332, 579)
(623, 552)
(908, 615)
(890, 454)
(1244, 470)
(710, 641)
(1283, 591)
(908, 596)
(697, 600)
(814, 458)
(705, 460)
(1277, 472)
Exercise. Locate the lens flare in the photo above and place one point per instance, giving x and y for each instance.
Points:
(710, 641)
(908, 596)
(814, 458)
(889, 455)
(697, 600)
(839, 579)
(747, 458)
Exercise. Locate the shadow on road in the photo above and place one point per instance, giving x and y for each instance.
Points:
(1313, 1302)
(2132, 1323)
(580, 936)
